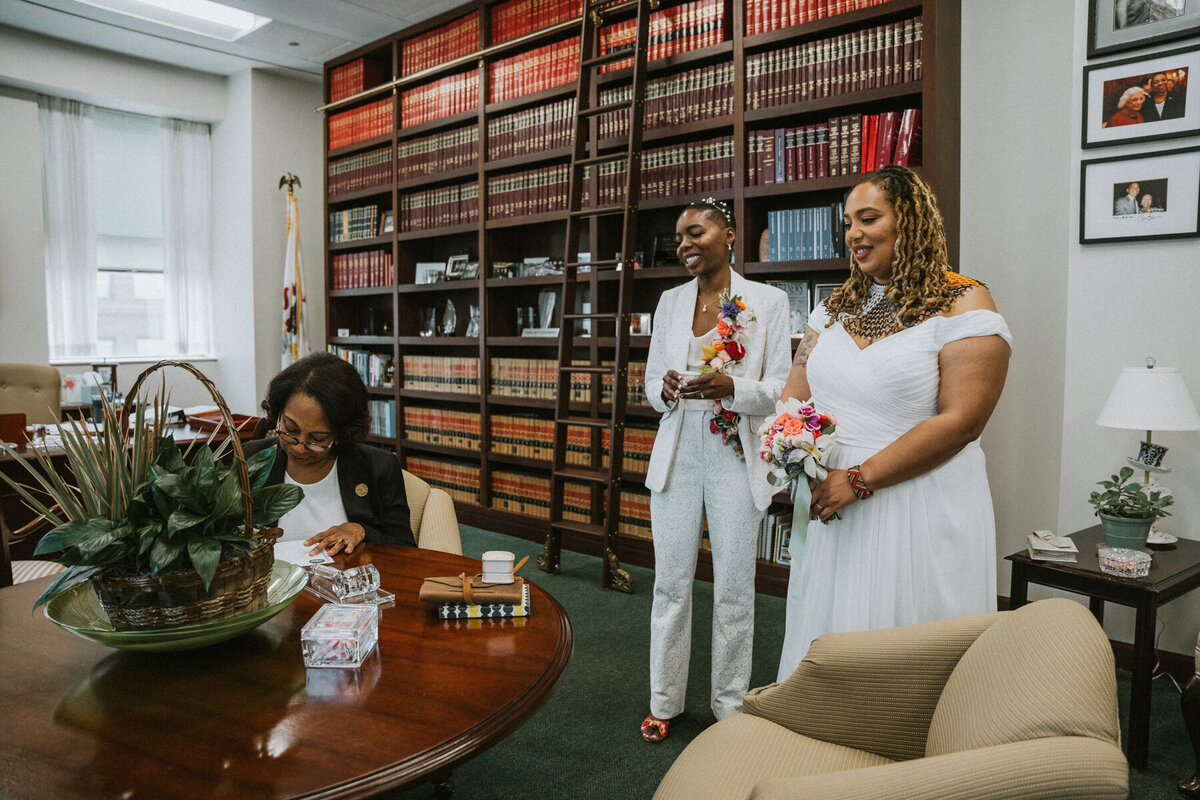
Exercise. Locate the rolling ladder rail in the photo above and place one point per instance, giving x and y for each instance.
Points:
(585, 166)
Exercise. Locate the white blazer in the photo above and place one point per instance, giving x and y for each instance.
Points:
(757, 379)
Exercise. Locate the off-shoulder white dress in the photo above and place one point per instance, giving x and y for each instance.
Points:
(921, 550)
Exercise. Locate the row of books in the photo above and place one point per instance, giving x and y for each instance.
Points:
(633, 517)
(453, 374)
(352, 224)
(440, 207)
(452, 40)
(360, 171)
(701, 93)
(443, 426)
(383, 418)
(361, 123)
(443, 97)
(375, 369)
(518, 18)
(537, 378)
(460, 480)
(357, 76)
(774, 537)
(533, 437)
(845, 145)
(805, 234)
(534, 70)
(440, 152)
(546, 126)
(882, 55)
(529, 494)
(362, 270)
(529, 191)
(773, 15)
(674, 169)
(678, 29)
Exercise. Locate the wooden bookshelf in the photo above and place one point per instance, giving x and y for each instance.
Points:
(402, 318)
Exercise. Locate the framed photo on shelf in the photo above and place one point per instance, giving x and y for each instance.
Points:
(387, 224)
(799, 303)
(640, 324)
(1140, 197)
(1117, 25)
(429, 272)
(470, 270)
(455, 266)
(1141, 99)
(107, 373)
(503, 269)
(823, 290)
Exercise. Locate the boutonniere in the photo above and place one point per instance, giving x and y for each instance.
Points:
(726, 349)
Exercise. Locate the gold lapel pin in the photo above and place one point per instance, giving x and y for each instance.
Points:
(361, 490)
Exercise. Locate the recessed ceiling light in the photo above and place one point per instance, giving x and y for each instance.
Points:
(202, 17)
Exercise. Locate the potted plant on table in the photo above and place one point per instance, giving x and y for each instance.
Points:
(164, 540)
(1128, 510)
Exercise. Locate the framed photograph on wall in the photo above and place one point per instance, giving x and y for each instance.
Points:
(1140, 197)
(1117, 25)
(1141, 99)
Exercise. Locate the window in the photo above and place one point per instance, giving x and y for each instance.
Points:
(127, 221)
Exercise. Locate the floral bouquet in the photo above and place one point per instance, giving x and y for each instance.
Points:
(733, 321)
(795, 444)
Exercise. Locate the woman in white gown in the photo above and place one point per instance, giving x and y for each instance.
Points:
(910, 358)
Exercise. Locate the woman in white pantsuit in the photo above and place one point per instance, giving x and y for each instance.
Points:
(696, 472)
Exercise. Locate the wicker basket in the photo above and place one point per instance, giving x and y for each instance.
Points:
(145, 602)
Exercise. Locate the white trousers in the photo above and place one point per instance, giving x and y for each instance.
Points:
(707, 479)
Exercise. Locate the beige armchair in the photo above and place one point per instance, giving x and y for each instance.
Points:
(1012, 705)
(32, 390)
(434, 523)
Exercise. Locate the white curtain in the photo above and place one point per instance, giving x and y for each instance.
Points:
(187, 212)
(70, 218)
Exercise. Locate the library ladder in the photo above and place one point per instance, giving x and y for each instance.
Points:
(586, 164)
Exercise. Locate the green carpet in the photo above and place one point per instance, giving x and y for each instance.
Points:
(584, 743)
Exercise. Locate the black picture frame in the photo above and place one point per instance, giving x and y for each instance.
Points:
(1173, 178)
(1104, 86)
(1107, 36)
(108, 375)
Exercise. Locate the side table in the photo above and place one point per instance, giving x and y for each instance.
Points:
(1173, 573)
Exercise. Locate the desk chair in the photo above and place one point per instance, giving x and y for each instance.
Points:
(32, 390)
(434, 523)
(1019, 705)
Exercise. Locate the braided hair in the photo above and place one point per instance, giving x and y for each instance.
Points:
(919, 288)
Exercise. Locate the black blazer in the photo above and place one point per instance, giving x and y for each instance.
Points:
(372, 488)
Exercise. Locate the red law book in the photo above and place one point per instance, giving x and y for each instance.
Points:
(870, 127)
(766, 170)
(885, 144)
(908, 139)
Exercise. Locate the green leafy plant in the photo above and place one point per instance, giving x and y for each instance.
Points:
(137, 506)
(1129, 500)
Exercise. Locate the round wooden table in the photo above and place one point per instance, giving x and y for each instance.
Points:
(245, 719)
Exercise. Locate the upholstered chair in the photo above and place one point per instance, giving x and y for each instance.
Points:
(32, 390)
(434, 523)
(1013, 705)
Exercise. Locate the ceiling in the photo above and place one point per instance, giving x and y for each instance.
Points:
(301, 37)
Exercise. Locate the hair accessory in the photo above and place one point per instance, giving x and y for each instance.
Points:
(857, 484)
(717, 204)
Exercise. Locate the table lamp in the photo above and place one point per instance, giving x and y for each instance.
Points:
(1150, 398)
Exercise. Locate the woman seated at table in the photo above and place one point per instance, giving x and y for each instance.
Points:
(353, 493)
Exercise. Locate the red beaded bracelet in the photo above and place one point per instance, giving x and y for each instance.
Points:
(857, 484)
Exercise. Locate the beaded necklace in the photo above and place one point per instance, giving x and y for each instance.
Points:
(880, 317)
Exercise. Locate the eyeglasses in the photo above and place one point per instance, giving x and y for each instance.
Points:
(292, 439)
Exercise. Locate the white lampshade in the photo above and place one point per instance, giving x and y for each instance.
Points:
(1150, 398)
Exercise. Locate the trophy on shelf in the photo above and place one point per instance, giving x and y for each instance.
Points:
(473, 324)
(428, 322)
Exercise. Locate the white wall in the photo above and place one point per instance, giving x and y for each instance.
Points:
(1078, 313)
(259, 119)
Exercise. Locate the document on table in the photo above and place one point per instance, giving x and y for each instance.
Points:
(296, 552)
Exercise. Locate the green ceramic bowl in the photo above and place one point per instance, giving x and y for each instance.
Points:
(78, 611)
